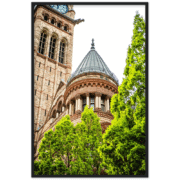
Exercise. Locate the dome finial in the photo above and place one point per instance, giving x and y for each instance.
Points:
(92, 45)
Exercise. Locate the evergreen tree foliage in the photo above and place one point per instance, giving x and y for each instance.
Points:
(123, 148)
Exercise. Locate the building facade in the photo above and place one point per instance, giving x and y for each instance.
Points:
(57, 92)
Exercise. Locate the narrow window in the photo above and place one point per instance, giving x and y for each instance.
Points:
(84, 103)
(42, 42)
(37, 77)
(59, 25)
(52, 21)
(61, 52)
(50, 69)
(92, 102)
(49, 82)
(102, 104)
(52, 47)
(35, 92)
(47, 97)
(39, 64)
(45, 18)
(45, 113)
(60, 74)
(65, 28)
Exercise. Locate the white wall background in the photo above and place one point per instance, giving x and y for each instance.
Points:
(111, 26)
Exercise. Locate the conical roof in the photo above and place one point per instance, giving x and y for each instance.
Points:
(93, 62)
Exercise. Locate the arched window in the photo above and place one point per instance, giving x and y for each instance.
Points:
(45, 18)
(62, 52)
(52, 47)
(54, 114)
(66, 28)
(42, 42)
(52, 21)
(59, 25)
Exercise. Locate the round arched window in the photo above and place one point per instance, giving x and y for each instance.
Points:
(52, 21)
(65, 27)
(59, 25)
(45, 18)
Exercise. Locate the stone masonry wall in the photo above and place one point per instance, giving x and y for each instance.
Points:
(47, 72)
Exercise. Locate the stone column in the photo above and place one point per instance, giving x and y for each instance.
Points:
(81, 103)
(63, 108)
(57, 49)
(98, 101)
(107, 103)
(70, 108)
(76, 104)
(47, 44)
(49, 20)
(57, 114)
(78, 110)
(87, 99)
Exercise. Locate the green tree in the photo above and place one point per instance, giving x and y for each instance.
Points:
(87, 160)
(55, 149)
(123, 149)
(64, 140)
(71, 150)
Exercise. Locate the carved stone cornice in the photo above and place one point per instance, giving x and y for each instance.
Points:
(91, 73)
(88, 82)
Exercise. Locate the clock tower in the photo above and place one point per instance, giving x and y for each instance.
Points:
(53, 48)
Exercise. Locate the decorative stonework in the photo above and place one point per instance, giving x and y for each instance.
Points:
(90, 86)
(55, 96)
(94, 75)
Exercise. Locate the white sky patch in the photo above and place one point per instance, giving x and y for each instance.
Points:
(111, 26)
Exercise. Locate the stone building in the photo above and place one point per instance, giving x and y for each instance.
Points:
(57, 92)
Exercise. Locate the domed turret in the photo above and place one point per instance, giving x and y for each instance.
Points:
(93, 63)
